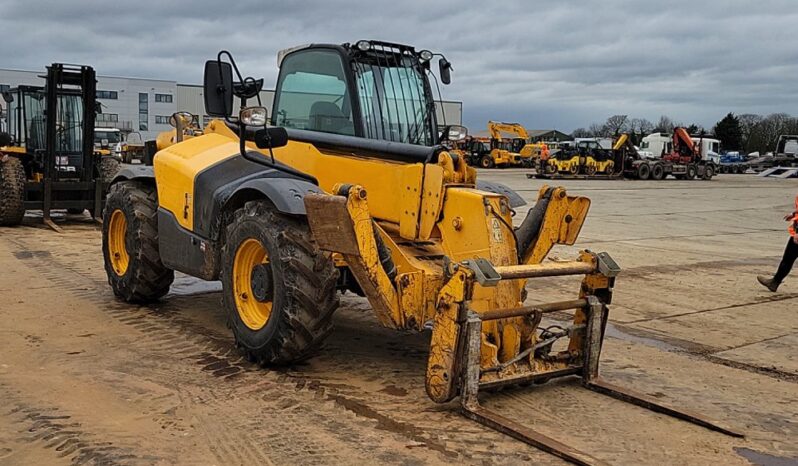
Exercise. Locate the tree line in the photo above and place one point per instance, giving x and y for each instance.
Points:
(747, 132)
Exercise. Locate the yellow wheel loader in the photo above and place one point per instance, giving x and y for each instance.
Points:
(349, 192)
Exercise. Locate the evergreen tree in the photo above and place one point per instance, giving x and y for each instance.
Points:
(729, 132)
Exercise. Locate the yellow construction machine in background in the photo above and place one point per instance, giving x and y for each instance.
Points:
(529, 153)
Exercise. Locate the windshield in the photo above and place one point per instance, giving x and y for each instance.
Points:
(111, 137)
(394, 102)
(69, 123)
(34, 120)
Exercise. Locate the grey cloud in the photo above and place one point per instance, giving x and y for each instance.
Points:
(545, 63)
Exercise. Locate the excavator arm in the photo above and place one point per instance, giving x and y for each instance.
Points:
(496, 128)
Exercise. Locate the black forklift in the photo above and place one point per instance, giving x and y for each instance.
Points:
(47, 159)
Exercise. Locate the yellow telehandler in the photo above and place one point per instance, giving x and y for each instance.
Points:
(352, 190)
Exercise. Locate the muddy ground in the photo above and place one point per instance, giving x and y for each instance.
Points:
(87, 379)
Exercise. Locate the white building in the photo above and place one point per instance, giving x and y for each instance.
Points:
(145, 105)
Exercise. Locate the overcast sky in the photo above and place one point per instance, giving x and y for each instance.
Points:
(546, 64)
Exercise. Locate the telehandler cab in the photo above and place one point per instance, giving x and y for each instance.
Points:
(354, 191)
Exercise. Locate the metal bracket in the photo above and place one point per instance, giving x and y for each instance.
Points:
(484, 271)
(607, 266)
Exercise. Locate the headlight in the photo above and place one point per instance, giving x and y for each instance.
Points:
(363, 45)
(253, 116)
(425, 55)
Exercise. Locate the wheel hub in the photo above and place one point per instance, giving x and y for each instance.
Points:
(262, 283)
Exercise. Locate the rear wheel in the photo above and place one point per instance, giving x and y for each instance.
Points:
(130, 243)
(709, 172)
(590, 170)
(691, 172)
(12, 192)
(109, 167)
(278, 287)
(657, 171)
(573, 168)
(643, 171)
(486, 161)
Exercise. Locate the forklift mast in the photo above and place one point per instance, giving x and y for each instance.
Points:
(65, 136)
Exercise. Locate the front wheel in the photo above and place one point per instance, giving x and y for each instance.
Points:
(12, 192)
(709, 172)
(278, 287)
(486, 161)
(130, 243)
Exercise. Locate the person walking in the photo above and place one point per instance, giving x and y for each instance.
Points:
(790, 253)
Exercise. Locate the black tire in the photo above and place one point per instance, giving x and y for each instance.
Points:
(109, 167)
(691, 172)
(146, 278)
(590, 170)
(643, 171)
(657, 172)
(12, 192)
(709, 172)
(486, 161)
(303, 288)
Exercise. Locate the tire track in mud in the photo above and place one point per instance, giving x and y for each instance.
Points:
(164, 330)
(66, 438)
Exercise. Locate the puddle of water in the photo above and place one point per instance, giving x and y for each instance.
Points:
(614, 332)
(185, 285)
(763, 459)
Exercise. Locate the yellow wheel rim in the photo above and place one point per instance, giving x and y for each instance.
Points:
(117, 232)
(253, 308)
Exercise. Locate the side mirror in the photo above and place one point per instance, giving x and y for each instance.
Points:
(253, 116)
(8, 97)
(272, 137)
(218, 88)
(445, 69)
(454, 133)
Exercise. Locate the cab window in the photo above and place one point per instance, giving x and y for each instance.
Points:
(312, 94)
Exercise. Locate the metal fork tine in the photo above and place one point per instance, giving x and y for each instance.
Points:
(640, 399)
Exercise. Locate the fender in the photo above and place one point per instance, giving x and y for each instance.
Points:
(135, 172)
(287, 194)
(515, 199)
